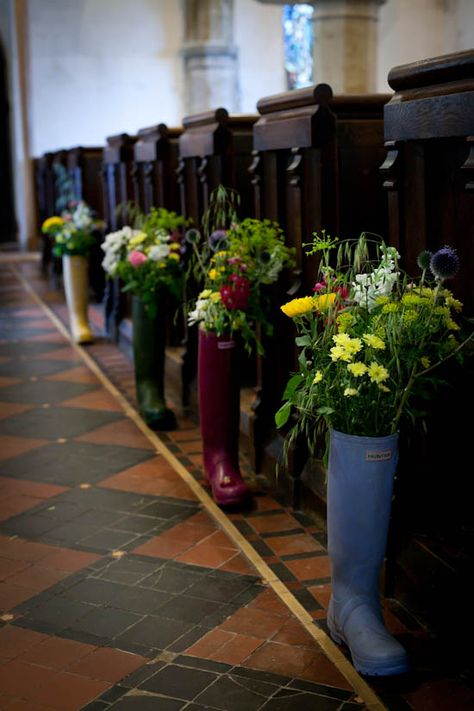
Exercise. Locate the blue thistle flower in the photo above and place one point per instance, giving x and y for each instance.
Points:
(444, 263)
(217, 240)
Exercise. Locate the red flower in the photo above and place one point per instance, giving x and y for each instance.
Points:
(235, 294)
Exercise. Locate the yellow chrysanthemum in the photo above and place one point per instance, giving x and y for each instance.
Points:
(425, 362)
(298, 307)
(373, 341)
(219, 255)
(215, 297)
(341, 339)
(174, 256)
(390, 308)
(340, 353)
(350, 392)
(52, 223)
(353, 346)
(384, 388)
(174, 246)
(357, 369)
(324, 301)
(411, 299)
(212, 274)
(138, 239)
(377, 373)
(318, 377)
(206, 294)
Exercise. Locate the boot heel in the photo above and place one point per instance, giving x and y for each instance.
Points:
(334, 635)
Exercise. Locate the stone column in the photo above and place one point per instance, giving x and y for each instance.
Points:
(210, 58)
(345, 44)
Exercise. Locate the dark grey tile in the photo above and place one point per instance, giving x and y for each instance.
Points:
(236, 694)
(135, 678)
(38, 368)
(105, 622)
(155, 632)
(179, 682)
(188, 639)
(288, 700)
(97, 592)
(73, 463)
(140, 702)
(321, 689)
(135, 524)
(220, 588)
(189, 609)
(30, 350)
(58, 613)
(172, 580)
(106, 540)
(197, 663)
(167, 510)
(57, 422)
(136, 599)
(39, 391)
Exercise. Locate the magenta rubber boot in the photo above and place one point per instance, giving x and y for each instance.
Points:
(219, 413)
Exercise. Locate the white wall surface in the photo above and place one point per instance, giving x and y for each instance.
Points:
(410, 30)
(101, 67)
(258, 34)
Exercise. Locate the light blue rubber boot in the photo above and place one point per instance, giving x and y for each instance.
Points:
(360, 485)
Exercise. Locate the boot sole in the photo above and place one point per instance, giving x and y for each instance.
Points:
(369, 668)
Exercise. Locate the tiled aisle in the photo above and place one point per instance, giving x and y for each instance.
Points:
(118, 590)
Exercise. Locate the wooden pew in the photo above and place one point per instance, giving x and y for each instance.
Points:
(214, 149)
(117, 191)
(84, 165)
(154, 172)
(316, 159)
(429, 179)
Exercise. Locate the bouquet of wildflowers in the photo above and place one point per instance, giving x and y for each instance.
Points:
(235, 265)
(75, 231)
(370, 339)
(148, 257)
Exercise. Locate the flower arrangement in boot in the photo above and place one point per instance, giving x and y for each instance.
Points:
(74, 233)
(235, 264)
(147, 259)
(249, 255)
(370, 339)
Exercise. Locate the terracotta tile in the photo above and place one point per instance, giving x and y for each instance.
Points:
(66, 353)
(309, 568)
(239, 564)
(36, 577)
(254, 623)
(19, 487)
(265, 503)
(176, 540)
(18, 549)
(24, 705)
(9, 567)
(221, 540)
(12, 595)
(206, 554)
(208, 644)
(81, 374)
(51, 337)
(107, 664)
(322, 671)
(322, 593)
(13, 446)
(236, 650)
(291, 545)
(278, 522)
(15, 505)
(203, 519)
(124, 433)
(9, 409)
(189, 435)
(16, 641)
(8, 381)
(68, 560)
(295, 634)
(191, 447)
(281, 659)
(155, 477)
(59, 690)
(56, 653)
(96, 400)
(268, 600)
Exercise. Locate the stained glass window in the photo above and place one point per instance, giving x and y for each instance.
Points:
(298, 36)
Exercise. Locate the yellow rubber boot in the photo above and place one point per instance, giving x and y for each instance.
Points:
(76, 287)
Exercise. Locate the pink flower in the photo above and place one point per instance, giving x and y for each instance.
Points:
(136, 258)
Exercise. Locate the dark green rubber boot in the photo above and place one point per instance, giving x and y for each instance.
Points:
(149, 355)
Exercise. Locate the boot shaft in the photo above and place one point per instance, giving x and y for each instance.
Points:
(149, 340)
(76, 283)
(218, 390)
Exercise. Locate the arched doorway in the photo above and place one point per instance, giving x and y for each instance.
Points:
(7, 210)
